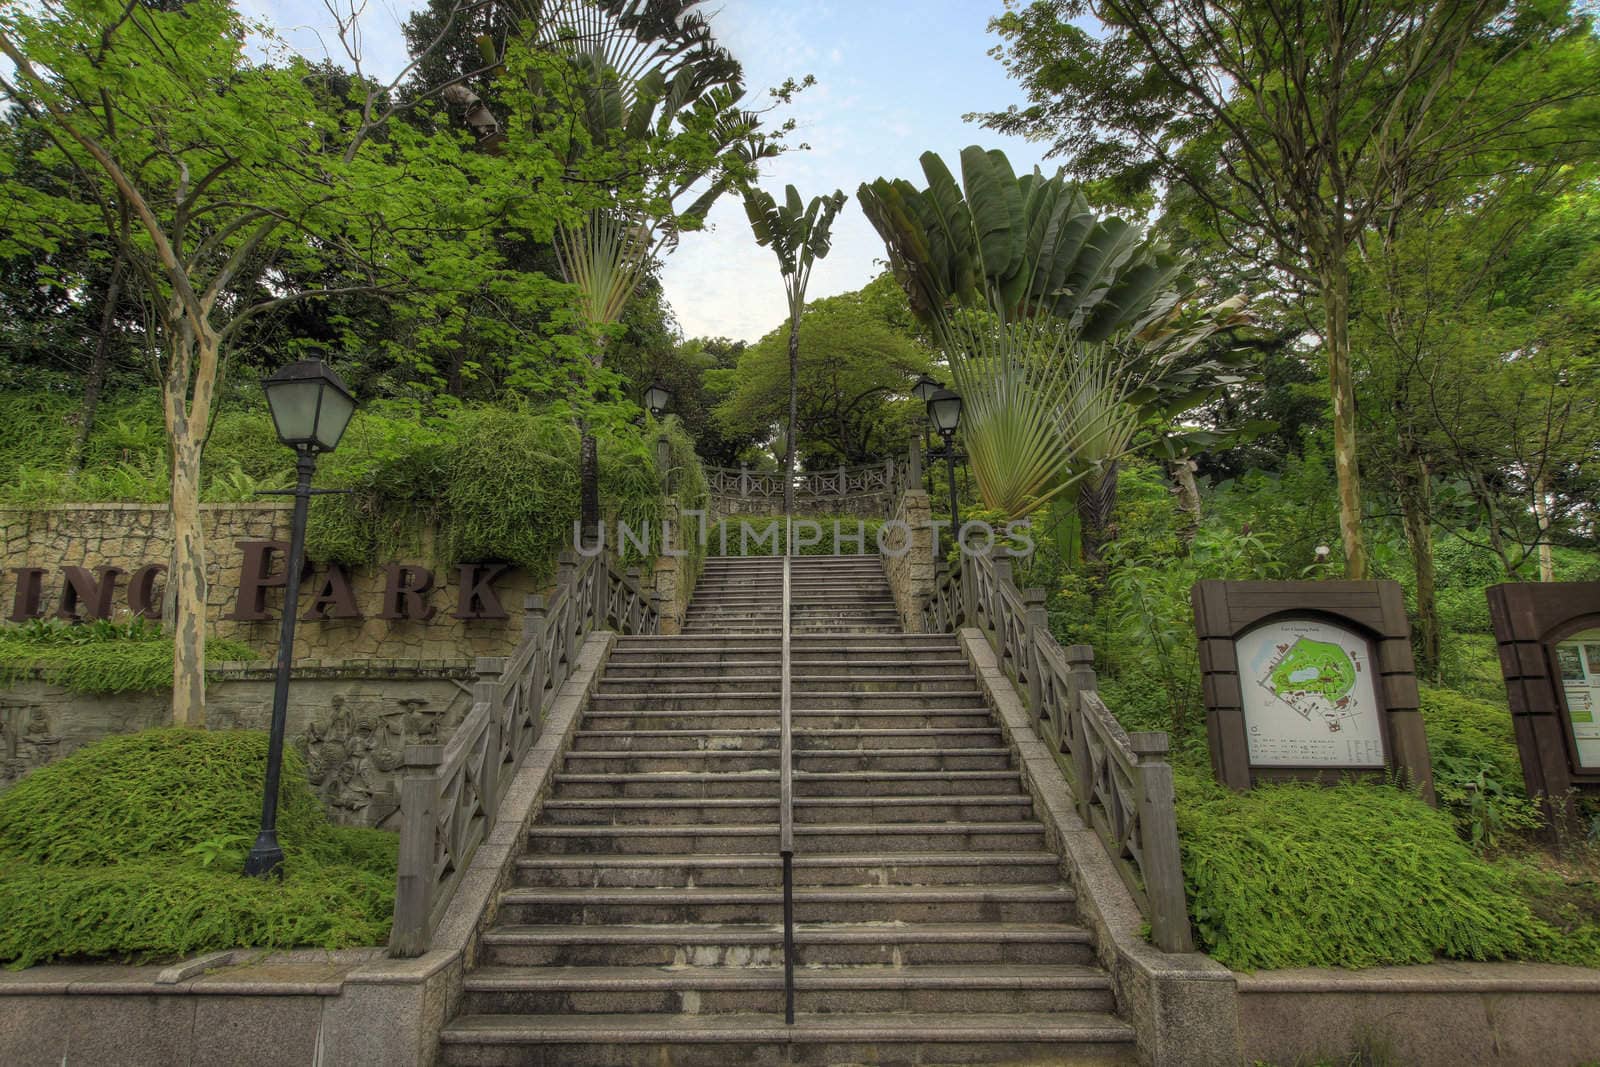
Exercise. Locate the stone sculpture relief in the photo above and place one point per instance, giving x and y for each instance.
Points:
(353, 758)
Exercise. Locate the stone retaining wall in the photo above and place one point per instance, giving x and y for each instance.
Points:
(351, 722)
(127, 536)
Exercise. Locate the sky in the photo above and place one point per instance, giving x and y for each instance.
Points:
(893, 77)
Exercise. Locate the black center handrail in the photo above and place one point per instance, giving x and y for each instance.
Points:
(786, 790)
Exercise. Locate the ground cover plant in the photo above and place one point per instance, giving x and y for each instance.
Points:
(133, 849)
(99, 657)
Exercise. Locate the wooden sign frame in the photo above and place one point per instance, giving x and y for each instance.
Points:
(1530, 619)
(1226, 611)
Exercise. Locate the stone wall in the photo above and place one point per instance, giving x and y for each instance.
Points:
(912, 573)
(127, 536)
(351, 722)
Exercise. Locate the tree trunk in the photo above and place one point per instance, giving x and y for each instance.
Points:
(794, 408)
(1188, 494)
(1097, 505)
(1541, 510)
(96, 380)
(186, 584)
(1416, 507)
(1341, 380)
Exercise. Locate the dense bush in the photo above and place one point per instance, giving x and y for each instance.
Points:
(133, 847)
(101, 656)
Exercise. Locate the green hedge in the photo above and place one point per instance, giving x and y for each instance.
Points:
(133, 848)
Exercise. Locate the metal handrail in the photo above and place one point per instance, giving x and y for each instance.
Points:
(786, 789)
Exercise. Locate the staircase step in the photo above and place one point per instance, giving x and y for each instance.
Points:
(1057, 1039)
(716, 990)
(1006, 836)
(765, 739)
(708, 811)
(668, 761)
(717, 719)
(839, 869)
(764, 784)
(812, 904)
(817, 944)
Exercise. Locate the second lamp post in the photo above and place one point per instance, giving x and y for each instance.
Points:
(944, 412)
(310, 409)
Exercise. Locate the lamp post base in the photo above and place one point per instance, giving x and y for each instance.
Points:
(266, 858)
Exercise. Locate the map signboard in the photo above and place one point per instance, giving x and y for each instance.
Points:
(1578, 661)
(1311, 681)
(1309, 699)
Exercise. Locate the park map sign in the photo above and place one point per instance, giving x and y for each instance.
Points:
(1311, 680)
(1308, 696)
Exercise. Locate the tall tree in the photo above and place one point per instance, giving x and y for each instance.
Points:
(230, 190)
(798, 235)
(1295, 125)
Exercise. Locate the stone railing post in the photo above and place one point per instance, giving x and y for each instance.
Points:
(844, 488)
(744, 479)
(914, 466)
(486, 690)
(535, 621)
(1035, 623)
(419, 819)
(1158, 834)
(1081, 678)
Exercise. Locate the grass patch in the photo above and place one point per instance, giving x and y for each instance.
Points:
(101, 656)
(133, 847)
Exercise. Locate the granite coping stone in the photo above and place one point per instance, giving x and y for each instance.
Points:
(1442, 977)
(235, 972)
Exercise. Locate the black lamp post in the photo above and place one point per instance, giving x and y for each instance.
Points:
(657, 398)
(944, 412)
(310, 409)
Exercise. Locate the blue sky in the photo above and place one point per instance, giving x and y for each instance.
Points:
(893, 77)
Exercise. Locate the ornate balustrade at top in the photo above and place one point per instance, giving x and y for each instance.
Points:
(1121, 782)
(451, 793)
(868, 492)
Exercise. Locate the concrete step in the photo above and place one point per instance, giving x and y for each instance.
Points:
(716, 719)
(728, 838)
(888, 644)
(768, 683)
(705, 869)
(1059, 1039)
(707, 811)
(670, 761)
(764, 784)
(710, 990)
(765, 739)
(534, 905)
(757, 944)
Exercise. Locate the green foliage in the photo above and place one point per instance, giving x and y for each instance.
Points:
(1476, 770)
(1348, 876)
(132, 848)
(100, 656)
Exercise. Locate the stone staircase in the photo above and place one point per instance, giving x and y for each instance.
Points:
(645, 925)
(831, 594)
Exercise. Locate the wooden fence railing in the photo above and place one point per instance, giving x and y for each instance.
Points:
(451, 793)
(1121, 782)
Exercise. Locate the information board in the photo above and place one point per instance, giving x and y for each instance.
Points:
(1578, 661)
(1309, 698)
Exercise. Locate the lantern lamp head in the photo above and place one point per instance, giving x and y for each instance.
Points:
(310, 405)
(944, 411)
(924, 389)
(657, 398)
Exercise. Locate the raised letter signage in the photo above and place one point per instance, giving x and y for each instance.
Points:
(1309, 680)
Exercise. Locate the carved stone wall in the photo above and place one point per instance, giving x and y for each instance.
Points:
(351, 722)
(127, 536)
(911, 573)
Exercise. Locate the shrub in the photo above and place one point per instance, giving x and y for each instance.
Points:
(133, 847)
